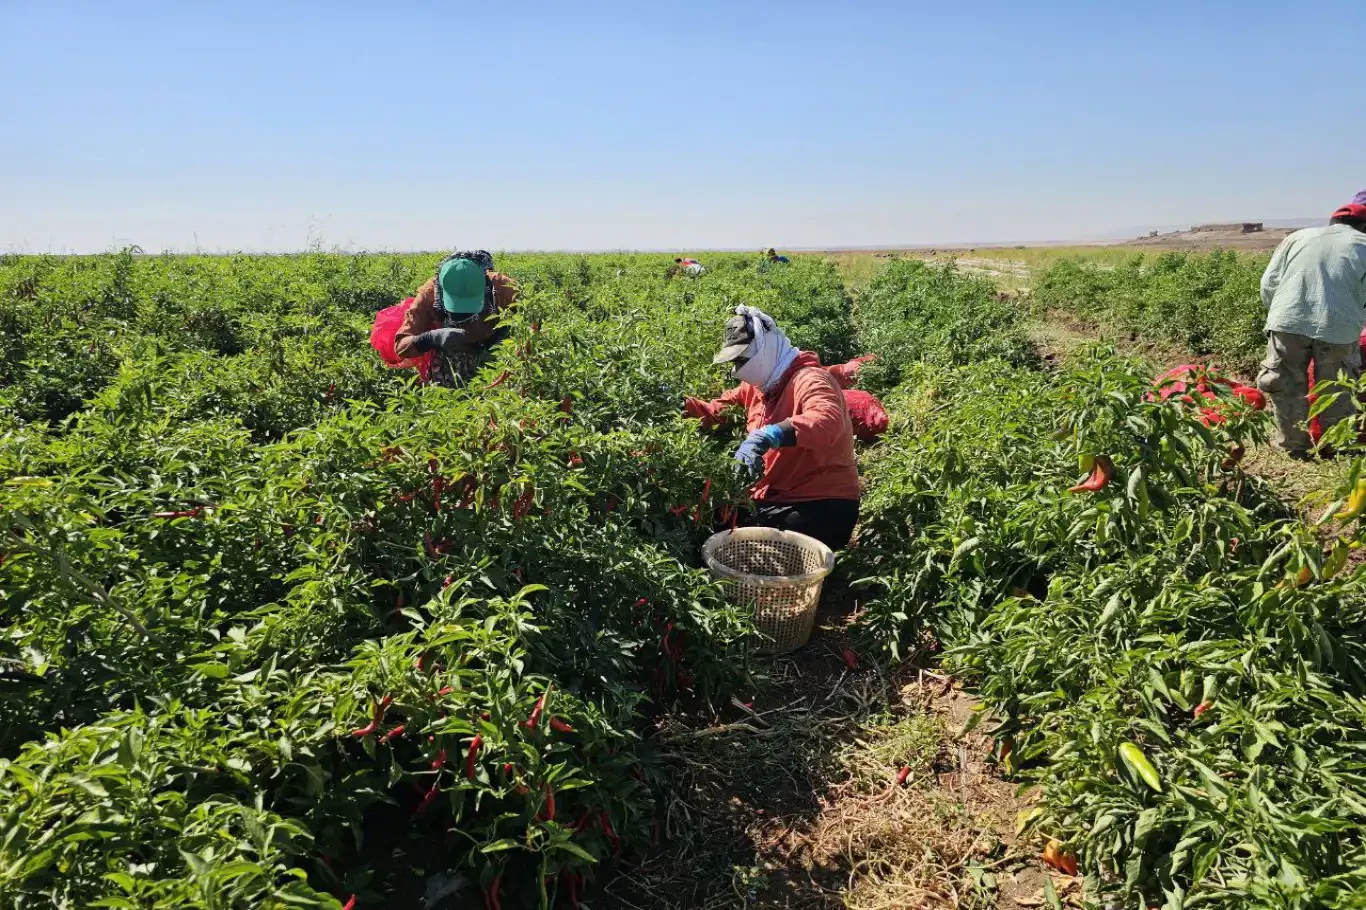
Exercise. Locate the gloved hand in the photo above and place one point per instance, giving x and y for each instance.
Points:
(449, 340)
(750, 455)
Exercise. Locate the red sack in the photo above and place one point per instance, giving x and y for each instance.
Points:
(846, 374)
(866, 413)
(382, 333)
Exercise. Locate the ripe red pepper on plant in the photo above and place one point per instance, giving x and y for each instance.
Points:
(502, 378)
(1101, 474)
(547, 813)
(531, 722)
(393, 734)
(472, 754)
(491, 899)
(560, 726)
(431, 795)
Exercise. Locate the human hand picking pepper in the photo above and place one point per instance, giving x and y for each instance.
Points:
(750, 455)
(795, 410)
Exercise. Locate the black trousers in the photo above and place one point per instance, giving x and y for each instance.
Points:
(831, 521)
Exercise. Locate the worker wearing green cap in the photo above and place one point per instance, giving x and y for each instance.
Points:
(454, 317)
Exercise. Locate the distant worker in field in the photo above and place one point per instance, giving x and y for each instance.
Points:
(772, 256)
(1315, 292)
(800, 447)
(687, 267)
(454, 317)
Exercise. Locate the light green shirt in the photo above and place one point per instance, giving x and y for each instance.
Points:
(1315, 284)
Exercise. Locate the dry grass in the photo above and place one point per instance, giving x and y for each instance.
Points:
(792, 801)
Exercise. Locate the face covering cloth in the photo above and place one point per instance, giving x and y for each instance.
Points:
(770, 354)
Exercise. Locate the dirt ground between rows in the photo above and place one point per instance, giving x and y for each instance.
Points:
(790, 799)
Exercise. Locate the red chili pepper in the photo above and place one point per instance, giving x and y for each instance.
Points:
(438, 484)
(850, 658)
(408, 497)
(331, 391)
(377, 715)
(611, 834)
(491, 900)
(447, 582)
(567, 404)
(560, 726)
(583, 820)
(393, 734)
(574, 460)
(473, 753)
(1100, 475)
(640, 602)
(427, 800)
(530, 722)
(901, 776)
(679, 510)
(350, 903)
(444, 691)
(1202, 708)
(665, 644)
(502, 378)
(440, 761)
(428, 546)
(507, 767)
(535, 328)
(548, 813)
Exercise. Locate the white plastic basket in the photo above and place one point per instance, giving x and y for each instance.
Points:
(779, 574)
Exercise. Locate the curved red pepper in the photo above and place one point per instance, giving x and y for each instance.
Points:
(491, 900)
(531, 722)
(1101, 474)
(473, 753)
(440, 761)
(560, 726)
(393, 734)
(350, 903)
(502, 378)
(431, 795)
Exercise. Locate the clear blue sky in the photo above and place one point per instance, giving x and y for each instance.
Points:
(404, 125)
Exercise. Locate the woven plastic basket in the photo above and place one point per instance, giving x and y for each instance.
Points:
(779, 573)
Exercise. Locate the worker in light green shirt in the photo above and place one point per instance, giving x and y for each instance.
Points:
(1314, 290)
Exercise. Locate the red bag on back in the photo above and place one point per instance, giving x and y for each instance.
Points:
(382, 333)
(866, 413)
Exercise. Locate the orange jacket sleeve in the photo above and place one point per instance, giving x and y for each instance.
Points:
(421, 317)
(820, 416)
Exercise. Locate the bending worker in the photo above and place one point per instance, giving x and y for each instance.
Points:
(800, 446)
(455, 317)
(1314, 290)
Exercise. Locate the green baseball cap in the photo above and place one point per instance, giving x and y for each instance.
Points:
(462, 286)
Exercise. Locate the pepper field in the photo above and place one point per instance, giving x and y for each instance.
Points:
(283, 629)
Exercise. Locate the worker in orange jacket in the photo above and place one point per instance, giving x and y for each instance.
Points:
(800, 446)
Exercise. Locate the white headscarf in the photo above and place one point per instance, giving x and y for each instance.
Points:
(770, 353)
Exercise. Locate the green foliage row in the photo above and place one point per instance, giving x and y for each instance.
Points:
(1208, 304)
(1176, 661)
(233, 541)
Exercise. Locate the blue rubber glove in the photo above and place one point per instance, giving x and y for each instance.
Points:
(751, 452)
